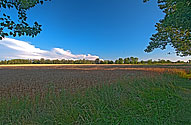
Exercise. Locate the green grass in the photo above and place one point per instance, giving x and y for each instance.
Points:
(165, 99)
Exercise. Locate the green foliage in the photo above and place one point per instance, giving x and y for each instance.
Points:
(131, 60)
(97, 61)
(175, 28)
(116, 61)
(126, 61)
(120, 61)
(150, 61)
(155, 100)
(8, 27)
(110, 62)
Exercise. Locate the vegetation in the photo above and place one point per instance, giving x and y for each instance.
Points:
(99, 94)
(21, 26)
(131, 60)
(163, 99)
(175, 28)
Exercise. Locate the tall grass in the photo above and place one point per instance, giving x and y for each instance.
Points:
(165, 99)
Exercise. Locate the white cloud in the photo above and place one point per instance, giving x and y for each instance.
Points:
(16, 49)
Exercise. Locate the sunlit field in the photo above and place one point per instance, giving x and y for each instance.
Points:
(95, 94)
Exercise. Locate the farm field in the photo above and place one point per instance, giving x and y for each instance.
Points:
(95, 62)
(95, 94)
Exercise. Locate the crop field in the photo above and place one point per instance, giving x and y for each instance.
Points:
(95, 94)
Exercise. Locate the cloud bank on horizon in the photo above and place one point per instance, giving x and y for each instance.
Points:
(16, 49)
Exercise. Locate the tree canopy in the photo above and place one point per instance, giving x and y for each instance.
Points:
(175, 28)
(128, 60)
(20, 27)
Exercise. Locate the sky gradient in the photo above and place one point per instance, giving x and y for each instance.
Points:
(106, 28)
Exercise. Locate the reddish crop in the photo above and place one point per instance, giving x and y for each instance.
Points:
(30, 80)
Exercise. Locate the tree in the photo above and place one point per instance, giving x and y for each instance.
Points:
(149, 61)
(142, 62)
(117, 61)
(105, 61)
(8, 27)
(126, 61)
(42, 61)
(168, 61)
(136, 60)
(48, 61)
(121, 61)
(132, 60)
(110, 62)
(175, 28)
(97, 61)
(101, 62)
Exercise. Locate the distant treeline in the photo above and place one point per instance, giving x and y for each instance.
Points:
(131, 60)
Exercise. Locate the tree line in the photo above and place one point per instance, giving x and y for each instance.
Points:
(129, 60)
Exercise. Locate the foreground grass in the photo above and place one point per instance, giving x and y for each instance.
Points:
(165, 99)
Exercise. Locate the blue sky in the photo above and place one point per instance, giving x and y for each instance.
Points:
(106, 28)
